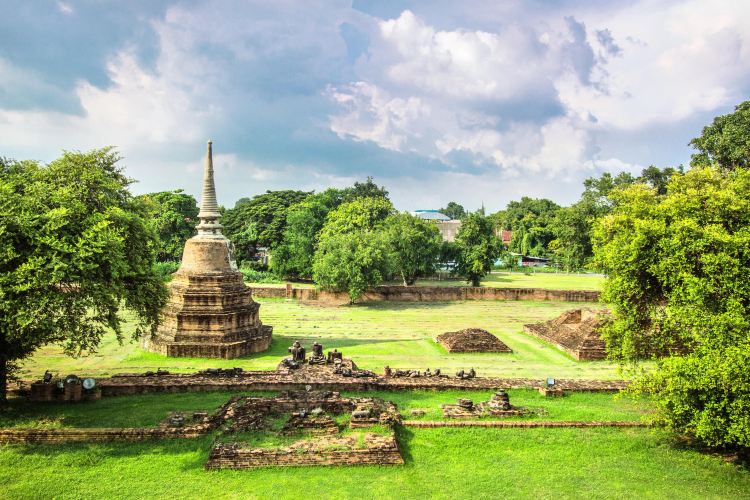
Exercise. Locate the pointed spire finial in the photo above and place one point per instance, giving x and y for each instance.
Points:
(209, 213)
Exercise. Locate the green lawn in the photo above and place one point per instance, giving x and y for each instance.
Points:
(552, 281)
(440, 463)
(399, 334)
(150, 409)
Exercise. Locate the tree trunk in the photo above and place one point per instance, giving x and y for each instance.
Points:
(3, 381)
(475, 282)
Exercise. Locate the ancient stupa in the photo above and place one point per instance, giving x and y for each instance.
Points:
(210, 313)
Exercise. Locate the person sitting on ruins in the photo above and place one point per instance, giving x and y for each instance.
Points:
(317, 357)
(297, 352)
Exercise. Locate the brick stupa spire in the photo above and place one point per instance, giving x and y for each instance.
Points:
(209, 213)
(211, 313)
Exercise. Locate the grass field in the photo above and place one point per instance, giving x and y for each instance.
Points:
(399, 334)
(552, 281)
(440, 463)
(148, 410)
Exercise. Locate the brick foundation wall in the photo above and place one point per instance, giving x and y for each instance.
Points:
(427, 294)
(383, 451)
(274, 381)
(526, 424)
(95, 435)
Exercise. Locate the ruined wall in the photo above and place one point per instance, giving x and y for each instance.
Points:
(95, 435)
(401, 293)
(380, 450)
(274, 381)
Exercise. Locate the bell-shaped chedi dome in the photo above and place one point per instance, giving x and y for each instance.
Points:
(211, 313)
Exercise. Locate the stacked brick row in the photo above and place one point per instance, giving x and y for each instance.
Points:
(377, 450)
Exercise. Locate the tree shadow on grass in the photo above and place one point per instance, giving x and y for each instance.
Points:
(91, 454)
(329, 343)
(403, 437)
(737, 457)
(394, 305)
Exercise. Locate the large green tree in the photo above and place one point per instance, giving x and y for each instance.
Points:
(352, 254)
(679, 283)
(173, 215)
(726, 142)
(293, 258)
(478, 248)
(572, 226)
(74, 249)
(367, 189)
(351, 262)
(360, 214)
(259, 221)
(530, 220)
(413, 244)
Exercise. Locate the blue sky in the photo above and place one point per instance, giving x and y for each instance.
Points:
(472, 101)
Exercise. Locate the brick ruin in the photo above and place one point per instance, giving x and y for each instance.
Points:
(369, 449)
(211, 312)
(577, 332)
(471, 340)
(498, 406)
(399, 293)
(310, 417)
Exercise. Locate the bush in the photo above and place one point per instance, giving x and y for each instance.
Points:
(255, 276)
(165, 270)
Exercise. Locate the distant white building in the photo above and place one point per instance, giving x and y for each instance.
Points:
(435, 215)
(448, 228)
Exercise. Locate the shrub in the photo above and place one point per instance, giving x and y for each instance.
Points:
(165, 270)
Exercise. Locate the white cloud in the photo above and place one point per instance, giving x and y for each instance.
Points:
(604, 70)
(676, 61)
(372, 115)
(65, 8)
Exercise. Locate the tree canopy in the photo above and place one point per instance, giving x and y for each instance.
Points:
(679, 279)
(530, 220)
(75, 247)
(726, 142)
(454, 210)
(259, 221)
(477, 248)
(360, 214)
(352, 253)
(413, 244)
(173, 215)
(294, 256)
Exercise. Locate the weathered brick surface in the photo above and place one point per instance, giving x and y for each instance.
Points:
(526, 424)
(275, 381)
(577, 332)
(471, 340)
(427, 294)
(344, 450)
(96, 435)
(209, 315)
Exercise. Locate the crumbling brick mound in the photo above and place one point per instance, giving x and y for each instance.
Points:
(472, 340)
(365, 449)
(576, 331)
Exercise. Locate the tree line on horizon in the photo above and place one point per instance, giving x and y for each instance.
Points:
(76, 247)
